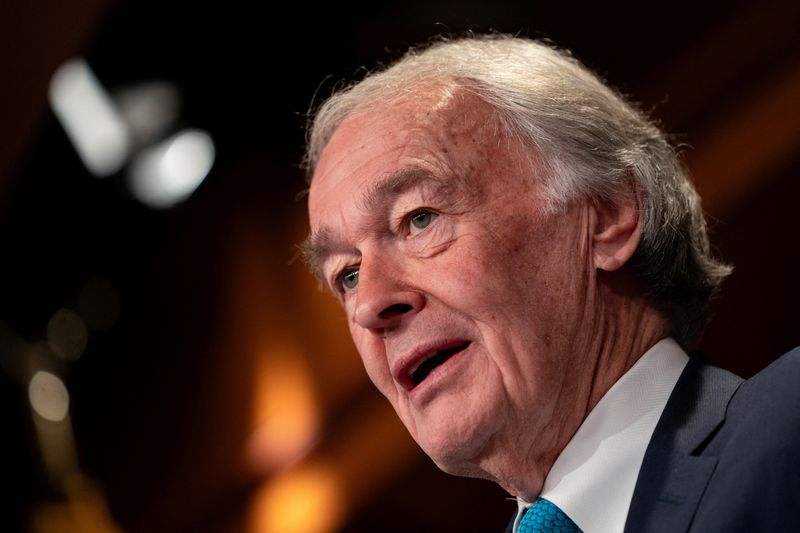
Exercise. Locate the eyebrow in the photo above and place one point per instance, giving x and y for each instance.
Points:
(320, 245)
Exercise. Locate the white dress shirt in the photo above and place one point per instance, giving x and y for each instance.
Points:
(593, 479)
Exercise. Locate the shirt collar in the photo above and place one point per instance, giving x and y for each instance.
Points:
(593, 479)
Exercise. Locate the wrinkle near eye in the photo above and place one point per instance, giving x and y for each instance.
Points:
(433, 242)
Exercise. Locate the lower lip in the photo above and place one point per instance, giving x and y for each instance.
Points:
(437, 375)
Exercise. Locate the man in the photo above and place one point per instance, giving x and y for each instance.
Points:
(521, 260)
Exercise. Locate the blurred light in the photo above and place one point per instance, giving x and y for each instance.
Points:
(67, 333)
(149, 109)
(305, 500)
(98, 303)
(286, 414)
(171, 171)
(48, 396)
(49, 401)
(88, 115)
(84, 510)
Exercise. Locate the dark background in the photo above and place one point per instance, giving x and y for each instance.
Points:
(164, 403)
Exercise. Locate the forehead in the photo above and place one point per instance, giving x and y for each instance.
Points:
(443, 130)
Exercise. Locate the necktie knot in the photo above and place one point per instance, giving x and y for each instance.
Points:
(545, 517)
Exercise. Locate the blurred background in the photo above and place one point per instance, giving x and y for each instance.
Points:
(166, 362)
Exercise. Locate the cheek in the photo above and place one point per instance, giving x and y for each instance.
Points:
(373, 356)
(521, 279)
(499, 272)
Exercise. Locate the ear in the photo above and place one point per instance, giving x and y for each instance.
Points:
(617, 231)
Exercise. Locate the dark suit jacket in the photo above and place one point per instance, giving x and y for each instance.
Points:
(725, 455)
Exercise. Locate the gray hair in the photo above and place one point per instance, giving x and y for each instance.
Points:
(589, 143)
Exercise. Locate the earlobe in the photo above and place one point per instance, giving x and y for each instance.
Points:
(617, 231)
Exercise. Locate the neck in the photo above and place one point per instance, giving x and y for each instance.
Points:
(624, 327)
(629, 327)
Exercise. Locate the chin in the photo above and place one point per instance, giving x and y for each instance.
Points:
(462, 469)
(456, 456)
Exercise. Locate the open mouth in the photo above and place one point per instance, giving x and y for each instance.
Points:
(424, 369)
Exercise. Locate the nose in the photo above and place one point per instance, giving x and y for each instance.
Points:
(384, 300)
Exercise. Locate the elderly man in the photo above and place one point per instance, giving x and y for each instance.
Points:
(522, 260)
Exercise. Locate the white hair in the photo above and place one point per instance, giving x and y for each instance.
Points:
(588, 142)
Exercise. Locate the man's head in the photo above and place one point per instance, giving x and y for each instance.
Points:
(498, 225)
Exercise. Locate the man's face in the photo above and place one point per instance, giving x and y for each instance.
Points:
(465, 301)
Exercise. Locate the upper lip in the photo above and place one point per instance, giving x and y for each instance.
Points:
(405, 365)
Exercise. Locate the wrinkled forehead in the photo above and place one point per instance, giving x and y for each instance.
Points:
(443, 126)
(421, 99)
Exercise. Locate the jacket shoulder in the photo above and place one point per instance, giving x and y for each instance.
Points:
(774, 388)
(756, 483)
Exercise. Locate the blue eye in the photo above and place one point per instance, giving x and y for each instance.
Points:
(422, 219)
(349, 278)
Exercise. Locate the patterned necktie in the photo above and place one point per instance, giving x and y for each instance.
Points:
(546, 517)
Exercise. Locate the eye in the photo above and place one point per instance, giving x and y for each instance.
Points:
(420, 220)
(349, 278)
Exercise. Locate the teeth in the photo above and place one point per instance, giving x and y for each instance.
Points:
(419, 363)
(426, 365)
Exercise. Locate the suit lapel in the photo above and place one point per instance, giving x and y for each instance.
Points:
(674, 472)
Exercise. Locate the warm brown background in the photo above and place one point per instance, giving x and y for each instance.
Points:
(226, 361)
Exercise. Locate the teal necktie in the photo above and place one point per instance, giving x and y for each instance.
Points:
(545, 517)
